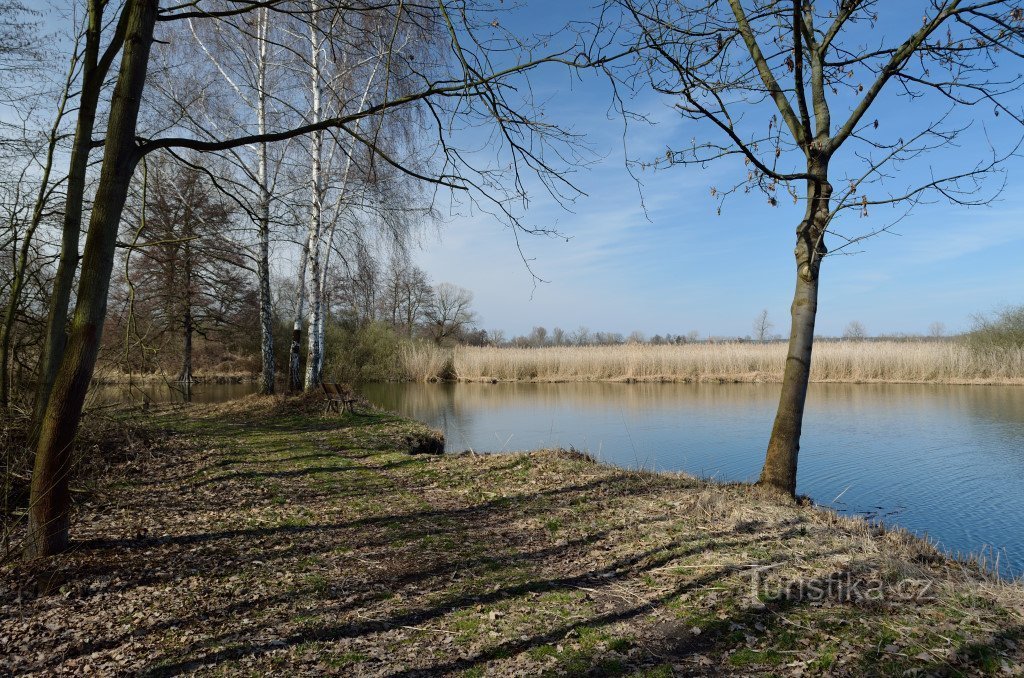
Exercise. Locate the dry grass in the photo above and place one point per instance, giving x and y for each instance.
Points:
(943, 362)
(261, 539)
(423, 362)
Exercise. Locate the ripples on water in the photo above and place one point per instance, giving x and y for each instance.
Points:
(943, 461)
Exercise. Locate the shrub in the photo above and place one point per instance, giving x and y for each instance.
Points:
(358, 354)
(1002, 331)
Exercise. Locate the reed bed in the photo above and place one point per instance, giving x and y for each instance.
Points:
(422, 361)
(944, 362)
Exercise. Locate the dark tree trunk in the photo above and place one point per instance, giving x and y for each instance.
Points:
(294, 353)
(50, 499)
(294, 359)
(93, 73)
(784, 446)
(780, 464)
(185, 376)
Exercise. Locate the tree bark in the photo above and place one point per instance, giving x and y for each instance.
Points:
(313, 356)
(50, 499)
(185, 376)
(780, 464)
(93, 73)
(294, 353)
(266, 382)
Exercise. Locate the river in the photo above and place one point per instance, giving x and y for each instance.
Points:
(947, 462)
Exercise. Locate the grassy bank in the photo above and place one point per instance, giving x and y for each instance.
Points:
(940, 362)
(262, 538)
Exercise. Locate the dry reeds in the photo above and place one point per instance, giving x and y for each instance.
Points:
(941, 362)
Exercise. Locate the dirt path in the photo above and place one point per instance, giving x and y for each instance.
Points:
(265, 539)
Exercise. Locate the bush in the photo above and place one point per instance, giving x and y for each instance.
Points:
(367, 353)
(1002, 331)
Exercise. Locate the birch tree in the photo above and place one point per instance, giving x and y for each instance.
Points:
(241, 89)
(475, 85)
(249, 68)
(348, 188)
(762, 79)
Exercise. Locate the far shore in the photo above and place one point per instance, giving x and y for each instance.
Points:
(944, 362)
(123, 379)
(876, 362)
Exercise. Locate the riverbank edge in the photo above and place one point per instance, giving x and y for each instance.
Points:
(752, 378)
(747, 378)
(109, 379)
(634, 572)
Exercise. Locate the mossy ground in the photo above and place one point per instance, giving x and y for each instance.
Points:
(264, 538)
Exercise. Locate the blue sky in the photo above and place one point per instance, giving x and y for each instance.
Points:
(681, 267)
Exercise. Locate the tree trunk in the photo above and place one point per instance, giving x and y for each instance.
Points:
(93, 74)
(185, 376)
(50, 499)
(784, 446)
(294, 353)
(780, 464)
(314, 355)
(266, 382)
(315, 210)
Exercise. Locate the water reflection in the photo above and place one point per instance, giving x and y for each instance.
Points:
(947, 461)
(167, 392)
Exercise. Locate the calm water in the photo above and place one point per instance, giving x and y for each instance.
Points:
(943, 461)
(167, 393)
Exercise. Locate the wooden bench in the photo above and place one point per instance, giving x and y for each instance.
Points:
(339, 398)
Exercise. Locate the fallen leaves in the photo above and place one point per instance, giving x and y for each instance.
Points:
(263, 539)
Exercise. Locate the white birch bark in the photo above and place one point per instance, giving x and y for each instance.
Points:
(266, 384)
(336, 215)
(313, 356)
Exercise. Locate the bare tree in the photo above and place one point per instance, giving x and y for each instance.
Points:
(449, 313)
(762, 79)
(97, 61)
(763, 326)
(937, 330)
(475, 86)
(19, 49)
(187, 271)
(406, 295)
(855, 331)
(580, 336)
(249, 72)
